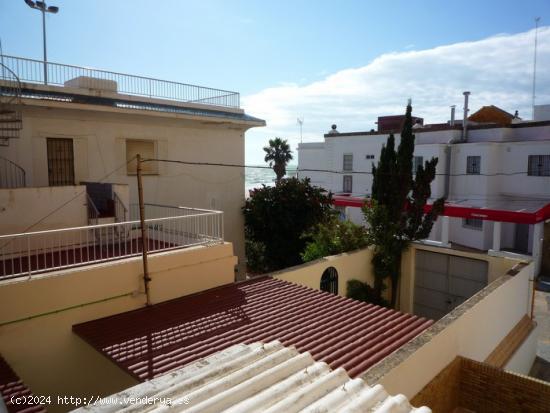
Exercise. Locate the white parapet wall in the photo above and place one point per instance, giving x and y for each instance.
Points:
(32, 209)
(37, 314)
(350, 265)
(472, 330)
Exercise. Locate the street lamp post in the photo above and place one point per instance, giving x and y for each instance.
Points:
(41, 5)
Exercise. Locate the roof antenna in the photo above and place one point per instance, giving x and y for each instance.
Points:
(537, 19)
(300, 122)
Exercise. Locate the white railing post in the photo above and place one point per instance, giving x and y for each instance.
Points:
(29, 255)
(68, 247)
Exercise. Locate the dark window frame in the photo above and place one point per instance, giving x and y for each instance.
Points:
(329, 281)
(538, 165)
(345, 179)
(473, 165)
(347, 162)
(473, 223)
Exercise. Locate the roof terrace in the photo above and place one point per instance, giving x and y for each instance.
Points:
(32, 71)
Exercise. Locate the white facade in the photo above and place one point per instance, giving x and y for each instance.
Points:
(103, 138)
(490, 169)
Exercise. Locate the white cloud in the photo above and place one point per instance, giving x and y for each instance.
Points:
(497, 70)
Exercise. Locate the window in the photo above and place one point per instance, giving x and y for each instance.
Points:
(369, 156)
(348, 183)
(538, 165)
(473, 223)
(473, 165)
(417, 161)
(147, 150)
(329, 280)
(348, 162)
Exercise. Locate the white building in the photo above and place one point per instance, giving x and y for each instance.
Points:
(84, 125)
(496, 179)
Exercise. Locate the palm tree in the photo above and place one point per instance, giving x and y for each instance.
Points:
(278, 154)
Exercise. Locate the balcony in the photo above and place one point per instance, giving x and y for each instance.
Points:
(32, 71)
(168, 228)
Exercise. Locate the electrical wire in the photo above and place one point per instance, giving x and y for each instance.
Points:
(69, 201)
(229, 165)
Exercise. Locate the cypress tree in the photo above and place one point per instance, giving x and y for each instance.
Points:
(395, 212)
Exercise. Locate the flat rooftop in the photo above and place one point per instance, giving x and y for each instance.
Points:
(345, 333)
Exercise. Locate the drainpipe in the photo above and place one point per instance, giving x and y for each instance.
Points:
(448, 154)
(465, 118)
(452, 123)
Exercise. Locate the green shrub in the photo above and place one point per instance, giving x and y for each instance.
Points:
(277, 217)
(334, 237)
(361, 291)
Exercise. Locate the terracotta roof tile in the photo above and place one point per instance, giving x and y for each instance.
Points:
(342, 332)
(12, 387)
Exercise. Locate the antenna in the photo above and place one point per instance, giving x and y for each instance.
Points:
(300, 122)
(537, 19)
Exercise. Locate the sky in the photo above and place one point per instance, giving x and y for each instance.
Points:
(343, 62)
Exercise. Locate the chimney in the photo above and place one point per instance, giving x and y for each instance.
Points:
(452, 123)
(465, 118)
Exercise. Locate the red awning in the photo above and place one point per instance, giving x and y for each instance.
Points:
(507, 209)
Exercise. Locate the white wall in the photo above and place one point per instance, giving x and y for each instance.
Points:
(330, 155)
(514, 158)
(313, 156)
(21, 208)
(474, 334)
(501, 151)
(99, 138)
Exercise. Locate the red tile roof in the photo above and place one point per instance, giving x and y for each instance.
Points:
(342, 332)
(11, 388)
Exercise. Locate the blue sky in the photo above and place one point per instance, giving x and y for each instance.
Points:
(275, 53)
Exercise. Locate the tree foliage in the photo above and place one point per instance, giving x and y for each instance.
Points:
(334, 237)
(280, 219)
(278, 154)
(395, 213)
(361, 291)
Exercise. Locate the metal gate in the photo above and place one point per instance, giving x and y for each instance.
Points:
(329, 280)
(442, 282)
(60, 161)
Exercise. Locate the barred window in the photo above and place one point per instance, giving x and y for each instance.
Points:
(473, 165)
(348, 183)
(417, 161)
(348, 162)
(538, 165)
(473, 223)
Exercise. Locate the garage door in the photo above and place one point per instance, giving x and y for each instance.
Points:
(443, 282)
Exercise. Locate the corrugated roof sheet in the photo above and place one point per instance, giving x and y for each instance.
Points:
(339, 331)
(257, 377)
(11, 387)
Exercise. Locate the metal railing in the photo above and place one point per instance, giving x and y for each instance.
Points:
(93, 212)
(30, 70)
(11, 174)
(42, 251)
(121, 212)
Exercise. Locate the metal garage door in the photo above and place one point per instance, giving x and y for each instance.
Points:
(443, 282)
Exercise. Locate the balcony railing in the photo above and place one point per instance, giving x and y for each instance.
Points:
(11, 174)
(32, 71)
(43, 251)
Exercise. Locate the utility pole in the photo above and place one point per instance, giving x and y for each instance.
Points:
(144, 240)
(537, 19)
